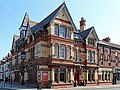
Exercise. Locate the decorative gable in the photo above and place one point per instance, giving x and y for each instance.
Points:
(63, 15)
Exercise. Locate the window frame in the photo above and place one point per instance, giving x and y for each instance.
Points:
(56, 34)
(56, 54)
(68, 35)
(61, 31)
(62, 51)
(68, 52)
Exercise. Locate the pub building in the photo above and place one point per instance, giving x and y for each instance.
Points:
(57, 54)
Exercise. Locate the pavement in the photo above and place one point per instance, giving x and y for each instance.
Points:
(99, 87)
(15, 87)
(25, 87)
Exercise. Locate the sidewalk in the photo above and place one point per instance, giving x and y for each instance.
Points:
(93, 87)
(15, 86)
(25, 87)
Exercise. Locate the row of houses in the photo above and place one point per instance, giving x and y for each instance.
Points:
(55, 53)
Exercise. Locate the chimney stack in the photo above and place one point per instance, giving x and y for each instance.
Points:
(107, 39)
(82, 24)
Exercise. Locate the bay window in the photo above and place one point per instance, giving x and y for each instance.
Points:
(93, 56)
(68, 33)
(56, 30)
(62, 31)
(62, 51)
(68, 52)
(79, 55)
(56, 50)
(75, 54)
(89, 54)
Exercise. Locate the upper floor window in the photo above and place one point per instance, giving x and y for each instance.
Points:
(75, 54)
(89, 54)
(102, 59)
(62, 31)
(68, 52)
(109, 51)
(56, 30)
(93, 56)
(62, 51)
(79, 55)
(109, 61)
(68, 33)
(116, 53)
(116, 60)
(102, 50)
(56, 50)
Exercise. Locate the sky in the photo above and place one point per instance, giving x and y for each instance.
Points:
(104, 15)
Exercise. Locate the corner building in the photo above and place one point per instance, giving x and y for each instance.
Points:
(56, 53)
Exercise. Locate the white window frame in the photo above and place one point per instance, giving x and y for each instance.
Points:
(62, 50)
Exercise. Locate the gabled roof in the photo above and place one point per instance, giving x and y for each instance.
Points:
(85, 34)
(15, 38)
(77, 36)
(52, 16)
(25, 20)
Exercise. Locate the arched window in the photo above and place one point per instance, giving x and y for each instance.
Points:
(56, 30)
(79, 55)
(93, 56)
(68, 52)
(56, 50)
(89, 52)
(62, 51)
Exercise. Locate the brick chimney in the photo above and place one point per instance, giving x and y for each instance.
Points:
(107, 39)
(82, 24)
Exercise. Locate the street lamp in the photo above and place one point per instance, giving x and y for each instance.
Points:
(23, 56)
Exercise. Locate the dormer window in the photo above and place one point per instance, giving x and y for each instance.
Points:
(22, 32)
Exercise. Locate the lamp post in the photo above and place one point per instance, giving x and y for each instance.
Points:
(23, 55)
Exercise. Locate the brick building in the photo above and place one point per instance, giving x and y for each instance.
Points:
(59, 55)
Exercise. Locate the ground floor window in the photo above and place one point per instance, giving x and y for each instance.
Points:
(103, 75)
(93, 75)
(109, 75)
(55, 74)
(89, 72)
(68, 75)
(62, 75)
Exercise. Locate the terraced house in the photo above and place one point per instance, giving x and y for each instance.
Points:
(54, 53)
